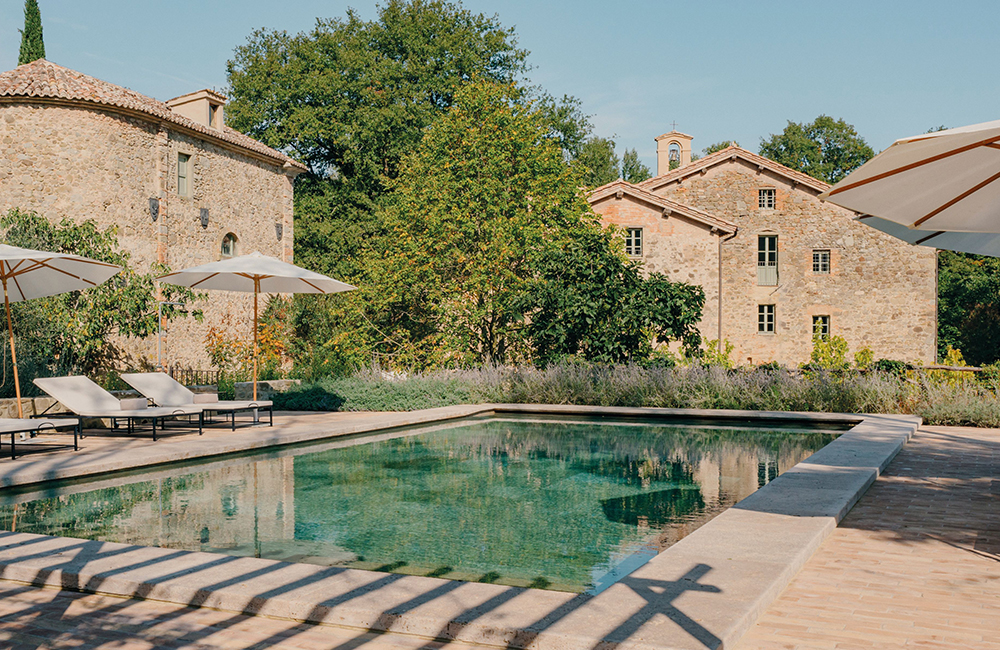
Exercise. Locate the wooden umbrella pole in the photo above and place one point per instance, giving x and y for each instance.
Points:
(256, 289)
(13, 353)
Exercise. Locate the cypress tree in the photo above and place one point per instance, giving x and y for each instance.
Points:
(32, 46)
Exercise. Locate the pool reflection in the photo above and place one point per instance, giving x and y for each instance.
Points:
(554, 504)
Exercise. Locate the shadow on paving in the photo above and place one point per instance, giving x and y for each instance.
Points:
(945, 489)
(655, 598)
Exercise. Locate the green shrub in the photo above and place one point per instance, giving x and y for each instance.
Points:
(829, 352)
(891, 366)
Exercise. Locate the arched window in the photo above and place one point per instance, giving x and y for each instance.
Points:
(229, 245)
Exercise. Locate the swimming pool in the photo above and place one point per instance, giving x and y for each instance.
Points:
(552, 503)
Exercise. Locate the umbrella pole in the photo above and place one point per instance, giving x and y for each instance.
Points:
(13, 354)
(256, 289)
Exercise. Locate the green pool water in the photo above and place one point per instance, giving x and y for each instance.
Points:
(567, 505)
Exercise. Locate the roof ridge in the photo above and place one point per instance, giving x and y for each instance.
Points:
(723, 154)
(43, 79)
(656, 199)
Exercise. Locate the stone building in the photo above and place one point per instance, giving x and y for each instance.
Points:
(181, 187)
(777, 263)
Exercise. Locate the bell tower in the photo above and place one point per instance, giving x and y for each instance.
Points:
(673, 150)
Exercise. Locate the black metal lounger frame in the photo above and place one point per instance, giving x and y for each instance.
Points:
(130, 421)
(47, 426)
(253, 406)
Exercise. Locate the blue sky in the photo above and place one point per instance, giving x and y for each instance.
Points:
(721, 70)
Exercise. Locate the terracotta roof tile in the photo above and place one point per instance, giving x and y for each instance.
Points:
(46, 80)
(725, 154)
(613, 187)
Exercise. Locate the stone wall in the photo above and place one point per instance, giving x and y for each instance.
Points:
(881, 293)
(84, 163)
(680, 248)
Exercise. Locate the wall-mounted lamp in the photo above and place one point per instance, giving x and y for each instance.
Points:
(279, 229)
(154, 208)
(204, 217)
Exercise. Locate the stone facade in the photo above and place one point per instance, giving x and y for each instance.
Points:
(102, 159)
(879, 292)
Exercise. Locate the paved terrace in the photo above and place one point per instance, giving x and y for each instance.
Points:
(917, 562)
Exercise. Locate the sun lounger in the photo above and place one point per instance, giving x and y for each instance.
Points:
(164, 390)
(15, 426)
(88, 400)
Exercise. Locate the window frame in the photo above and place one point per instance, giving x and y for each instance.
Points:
(771, 195)
(184, 161)
(819, 265)
(631, 235)
(234, 252)
(821, 326)
(767, 260)
(766, 318)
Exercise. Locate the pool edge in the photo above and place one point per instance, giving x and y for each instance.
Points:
(705, 591)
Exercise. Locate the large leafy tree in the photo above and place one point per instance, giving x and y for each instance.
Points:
(593, 302)
(633, 170)
(351, 98)
(486, 189)
(484, 223)
(825, 148)
(32, 44)
(969, 306)
(598, 162)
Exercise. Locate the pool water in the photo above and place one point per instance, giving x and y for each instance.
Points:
(566, 505)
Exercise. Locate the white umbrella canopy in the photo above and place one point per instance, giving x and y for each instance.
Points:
(258, 274)
(27, 274)
(947, 181)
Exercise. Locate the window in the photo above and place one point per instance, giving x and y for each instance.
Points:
(765, 198)
(213, 112)
(767, 260)
(229, 245)
(821, 261)
(821, 327)
(633, 242)
(183, 185)
(765, 319)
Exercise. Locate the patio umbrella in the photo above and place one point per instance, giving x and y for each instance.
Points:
(963, 242)
(28, 274)
(943, 182)
(259, 274)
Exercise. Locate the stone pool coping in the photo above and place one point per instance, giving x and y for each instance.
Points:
(703, 592)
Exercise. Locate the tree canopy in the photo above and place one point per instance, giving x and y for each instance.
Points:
(32, 44)
(633, 170)
(598, 162)
(969, 306)
(483, 227)
(351, 98)
(826, 149)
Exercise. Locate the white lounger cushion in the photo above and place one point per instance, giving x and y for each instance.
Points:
(164, 390)
(206, 398)
(133, 404)
(17, 425)
(84, 397)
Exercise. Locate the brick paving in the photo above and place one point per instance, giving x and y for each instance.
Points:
(916, 564)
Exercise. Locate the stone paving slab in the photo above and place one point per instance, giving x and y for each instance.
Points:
(915, 564)
(704, 591)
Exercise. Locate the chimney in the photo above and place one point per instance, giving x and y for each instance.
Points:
(204, 107)
(673, 150)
